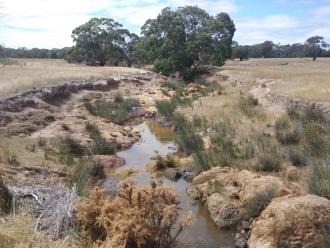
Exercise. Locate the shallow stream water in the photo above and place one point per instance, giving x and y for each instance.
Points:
(202, 233)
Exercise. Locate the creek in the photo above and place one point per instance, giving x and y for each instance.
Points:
(202, 233)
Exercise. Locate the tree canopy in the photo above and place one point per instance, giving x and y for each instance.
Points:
(100, 40)
(186, 39)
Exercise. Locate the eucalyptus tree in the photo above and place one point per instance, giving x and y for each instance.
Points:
(100, 40)
(186, 39)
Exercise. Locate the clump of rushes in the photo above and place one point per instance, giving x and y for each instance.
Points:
(84, 175)
(319, 179)
(100, 146)
(173, 84)
(116, 111)
(259, 202)
(269, 162)
(68, 149)
(164, 162)
(246, 105)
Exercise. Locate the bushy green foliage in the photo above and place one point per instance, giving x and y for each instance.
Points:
(319, 179)
(186, 39)
(259, 202)
(116, 112)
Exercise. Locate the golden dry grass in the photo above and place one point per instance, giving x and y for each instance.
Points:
(29, 73)
(295, 77)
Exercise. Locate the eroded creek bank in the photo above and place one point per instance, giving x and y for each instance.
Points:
(203, 232)
(32, 118)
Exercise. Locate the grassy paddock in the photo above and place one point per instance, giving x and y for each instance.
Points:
(29, 73)
(299, 77)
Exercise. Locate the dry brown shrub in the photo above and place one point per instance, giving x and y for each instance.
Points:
(139, 216)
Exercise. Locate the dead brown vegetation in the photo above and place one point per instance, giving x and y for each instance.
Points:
(139, 216)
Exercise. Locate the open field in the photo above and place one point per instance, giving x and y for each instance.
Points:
(294, 77)
(29, 73)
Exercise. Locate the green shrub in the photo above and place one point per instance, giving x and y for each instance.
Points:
(93, 130)
(288, 137)
(282, 123)
(259, 202)
(319, 179)
(269, 162)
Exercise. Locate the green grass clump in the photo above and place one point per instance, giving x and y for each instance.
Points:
(316, 140)
(116, 111)
(5, 199)
(297, 157)
(269, 162)
(246, 105)
(164, 162)
(319, 179)
(173, 84)
(68, 149)
(165, 108)
(187, 137)
(259, 202)
(84, 174)
(211, 87)
(100, 145)
(286, 134)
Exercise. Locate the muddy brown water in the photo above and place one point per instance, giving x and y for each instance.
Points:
(203, 233)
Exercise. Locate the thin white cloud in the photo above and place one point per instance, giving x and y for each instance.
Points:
(48, 23)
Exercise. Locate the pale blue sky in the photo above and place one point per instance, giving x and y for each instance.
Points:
(48, 23)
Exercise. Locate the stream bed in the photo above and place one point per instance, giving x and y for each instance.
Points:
(202, 233)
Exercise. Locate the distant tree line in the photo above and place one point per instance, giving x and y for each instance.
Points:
(24, 52)
(313, 47)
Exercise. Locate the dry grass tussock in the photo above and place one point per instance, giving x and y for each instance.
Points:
(139, 216)
(29, 73)
(19, 233)
(295, 77)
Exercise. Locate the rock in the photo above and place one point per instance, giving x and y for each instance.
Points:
(5, 199)
(230, 190)
(241, 243)
(223, 212)
(292, 221)
(172, 174)
(109, 161)
(124, 141)
(245, 225)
